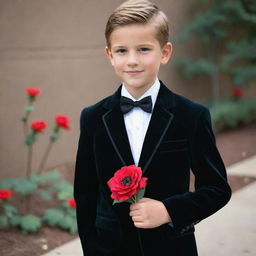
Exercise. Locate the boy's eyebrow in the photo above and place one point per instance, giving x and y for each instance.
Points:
(118, 46)
(140, 45)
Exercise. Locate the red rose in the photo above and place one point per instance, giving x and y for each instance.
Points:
(62, 121)
(5, 193)
(71, 202)
(126, 182)
(38, 126)
(33, 92)
(237, 93)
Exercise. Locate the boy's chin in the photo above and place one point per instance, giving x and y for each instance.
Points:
(135, 86)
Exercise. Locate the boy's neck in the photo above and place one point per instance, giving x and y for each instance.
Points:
(136, 93)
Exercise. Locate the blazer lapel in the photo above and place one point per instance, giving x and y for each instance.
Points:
(160, 122)
(114, 123)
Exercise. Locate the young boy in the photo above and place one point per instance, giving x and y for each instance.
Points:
(164, 133)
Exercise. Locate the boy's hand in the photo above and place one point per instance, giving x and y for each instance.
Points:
(149, 213)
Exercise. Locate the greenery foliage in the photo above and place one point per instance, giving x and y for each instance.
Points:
(226, 31)
(230, 114)
(48, 186)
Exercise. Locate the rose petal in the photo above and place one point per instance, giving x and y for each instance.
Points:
(143, 182)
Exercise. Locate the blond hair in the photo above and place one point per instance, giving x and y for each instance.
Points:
(138, 12)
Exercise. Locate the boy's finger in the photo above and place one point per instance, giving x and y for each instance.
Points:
(139, 224)
(134, 213)
(134, 206)
(137, 219)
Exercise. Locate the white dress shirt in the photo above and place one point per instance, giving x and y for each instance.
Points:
(137, 120)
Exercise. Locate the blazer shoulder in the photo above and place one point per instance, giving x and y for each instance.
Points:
(189, 106)
(92, 111)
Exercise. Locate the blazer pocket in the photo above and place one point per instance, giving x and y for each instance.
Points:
(106, 223)
(108, 233)
(175, 145)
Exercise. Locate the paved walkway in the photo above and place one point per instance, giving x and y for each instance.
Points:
(231, 231)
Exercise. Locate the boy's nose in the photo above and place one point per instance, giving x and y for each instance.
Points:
(132, 59)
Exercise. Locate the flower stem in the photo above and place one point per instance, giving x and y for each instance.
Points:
(25, 126)
(46, 154)
(29, 161)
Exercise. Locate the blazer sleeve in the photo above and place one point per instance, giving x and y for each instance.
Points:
(85, 189)
(212, 191)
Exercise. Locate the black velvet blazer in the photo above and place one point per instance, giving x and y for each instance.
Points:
(179, 138)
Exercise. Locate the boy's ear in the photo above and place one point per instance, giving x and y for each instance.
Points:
(109, 55)
(166, 53)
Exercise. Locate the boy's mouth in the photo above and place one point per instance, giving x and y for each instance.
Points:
(133, 72)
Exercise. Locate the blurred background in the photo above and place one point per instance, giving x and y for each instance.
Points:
(58, 46)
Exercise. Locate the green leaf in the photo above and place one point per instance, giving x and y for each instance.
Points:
(64, 189)
(69, 223)
(15, 220)
(190, 68)
(51, 176)
(71, 211)
(9, 210)
(243, 74)
(56, 129)
(65, 194)
(48, 177)
(54, 137)
(24, 119)
(140, 194)
(207, 24)
(117, 202)
(30, 223)
(53, 216)
(62, 185)
(29, 108)
(44, 194)
(37, 178)
(8, 183)
(3, 221)
(30, 139)
(25, 187)
(130, 200)
(230, 114)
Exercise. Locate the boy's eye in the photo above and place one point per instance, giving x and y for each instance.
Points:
(144, 49)
(120, 51)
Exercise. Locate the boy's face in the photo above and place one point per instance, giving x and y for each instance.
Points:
(136, 55)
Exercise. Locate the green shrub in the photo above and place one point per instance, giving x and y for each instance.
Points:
(47, 186)
(231, 114)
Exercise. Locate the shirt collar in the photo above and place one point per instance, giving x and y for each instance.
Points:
(152, 91)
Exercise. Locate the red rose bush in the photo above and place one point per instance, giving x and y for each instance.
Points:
(38, 126)
(237, 93)
(62, 121)
(5, 194)
(71, 202)
(127, 184)
(33, 92)
(47, 186)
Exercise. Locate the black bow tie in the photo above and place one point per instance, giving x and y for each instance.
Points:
(128, 104)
